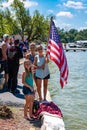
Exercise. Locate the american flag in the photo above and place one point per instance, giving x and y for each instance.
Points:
(56, 53)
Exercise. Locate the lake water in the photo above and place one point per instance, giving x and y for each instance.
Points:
(72, 99)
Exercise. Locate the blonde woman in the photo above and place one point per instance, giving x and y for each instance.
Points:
(42, 72)
(28, 89)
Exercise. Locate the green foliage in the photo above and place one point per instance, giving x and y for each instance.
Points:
(72, 35)
(1, 23)
(38, 28)
(21, 15)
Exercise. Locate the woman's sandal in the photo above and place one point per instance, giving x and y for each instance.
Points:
(31, 119)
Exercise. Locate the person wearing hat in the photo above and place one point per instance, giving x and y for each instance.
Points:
(14, 54)
(6, 39)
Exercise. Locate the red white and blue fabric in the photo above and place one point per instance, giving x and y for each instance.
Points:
(56, 53)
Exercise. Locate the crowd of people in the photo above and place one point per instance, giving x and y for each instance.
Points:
(11, 54)
(35, 70)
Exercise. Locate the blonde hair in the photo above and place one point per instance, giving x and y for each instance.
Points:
(27, 71)
(39, 46)
(32, 44)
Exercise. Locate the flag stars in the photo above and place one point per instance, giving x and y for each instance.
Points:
(54, 34)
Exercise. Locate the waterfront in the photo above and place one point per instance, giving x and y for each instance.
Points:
(72, 99)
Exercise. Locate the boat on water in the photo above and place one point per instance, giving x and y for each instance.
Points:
(78, 44)
(72, 45)
(81, 43)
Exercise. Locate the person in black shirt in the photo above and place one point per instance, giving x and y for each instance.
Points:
(14, 54)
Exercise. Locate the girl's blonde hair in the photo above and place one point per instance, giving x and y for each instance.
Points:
(27, 71)
(32, 45)
(39, 46)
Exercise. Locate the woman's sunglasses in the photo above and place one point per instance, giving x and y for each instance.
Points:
(40, 49)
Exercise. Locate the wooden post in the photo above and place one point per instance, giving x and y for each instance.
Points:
(51, 19)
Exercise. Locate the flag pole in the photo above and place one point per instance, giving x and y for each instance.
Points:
(51, 19)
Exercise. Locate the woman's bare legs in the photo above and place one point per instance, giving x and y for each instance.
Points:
(29, 104)
(35, 80)
(39, 82)
(26, 106)
(45, 84)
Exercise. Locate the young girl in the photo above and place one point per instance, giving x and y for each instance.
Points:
(31, 57)
(28, 89)
(42, 72)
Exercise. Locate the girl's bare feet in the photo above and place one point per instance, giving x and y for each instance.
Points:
(26, 117)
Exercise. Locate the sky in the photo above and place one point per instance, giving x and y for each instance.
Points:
(68, 13)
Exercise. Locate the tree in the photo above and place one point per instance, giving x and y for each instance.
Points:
(1, 23)
(78, 37)
(83, 33)
(21, 15)
(10, 24)
(72, 33)
(38, 29)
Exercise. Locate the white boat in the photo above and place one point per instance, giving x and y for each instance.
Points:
(72, 45)
(81, 43)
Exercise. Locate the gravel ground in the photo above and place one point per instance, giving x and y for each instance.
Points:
(18, 122)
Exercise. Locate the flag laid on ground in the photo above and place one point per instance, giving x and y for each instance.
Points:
(56, 53)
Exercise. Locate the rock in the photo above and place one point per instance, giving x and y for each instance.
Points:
(5, 112)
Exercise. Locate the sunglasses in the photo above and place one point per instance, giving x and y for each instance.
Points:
(32, 48)
(40, 49)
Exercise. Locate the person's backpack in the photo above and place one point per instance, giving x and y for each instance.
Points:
(36, 106)
(11, 52)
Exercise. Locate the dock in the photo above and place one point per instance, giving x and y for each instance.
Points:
(75, 49)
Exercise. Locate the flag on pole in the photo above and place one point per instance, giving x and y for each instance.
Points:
(56, 53)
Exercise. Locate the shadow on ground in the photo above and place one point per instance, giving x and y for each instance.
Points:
(36, 123)
(18, 95)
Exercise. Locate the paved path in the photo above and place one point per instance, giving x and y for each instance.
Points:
(8, 98)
